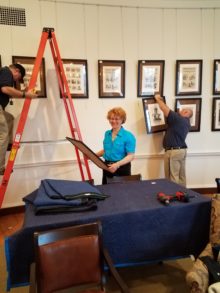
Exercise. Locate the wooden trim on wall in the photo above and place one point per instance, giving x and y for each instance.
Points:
(208, 190)
(12, 210)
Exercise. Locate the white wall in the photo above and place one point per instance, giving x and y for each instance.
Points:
(126, 30)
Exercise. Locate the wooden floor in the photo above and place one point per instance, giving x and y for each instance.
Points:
(9, 224)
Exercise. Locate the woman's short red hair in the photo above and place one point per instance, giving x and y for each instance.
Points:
(119, 112)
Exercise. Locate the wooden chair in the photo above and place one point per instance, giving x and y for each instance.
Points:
(217, 180)
(120, 179)
(71, 256)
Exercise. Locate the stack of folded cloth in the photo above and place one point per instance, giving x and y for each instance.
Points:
(55, 196)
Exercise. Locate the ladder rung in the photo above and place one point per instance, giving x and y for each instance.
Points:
(43, 141)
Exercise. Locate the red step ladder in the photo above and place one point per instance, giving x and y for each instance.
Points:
(47, 34)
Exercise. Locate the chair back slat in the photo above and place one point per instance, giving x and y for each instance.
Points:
(120, 179)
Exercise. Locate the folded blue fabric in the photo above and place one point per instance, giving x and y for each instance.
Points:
(64, 192)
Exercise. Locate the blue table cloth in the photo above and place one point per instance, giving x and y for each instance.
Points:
(137, 228)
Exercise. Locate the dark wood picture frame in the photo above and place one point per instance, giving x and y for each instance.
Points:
(216, 114)
(195, 104)
(154, 117)
(216, 77)
(188, 77)
(111, 78)
(150, 77)
(88, 153)
(28, 64)
(76, 71)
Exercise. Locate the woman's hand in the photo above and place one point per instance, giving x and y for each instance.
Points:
(113, 167)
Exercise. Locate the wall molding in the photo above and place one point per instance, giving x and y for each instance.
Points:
(144, 4)
(137, 157)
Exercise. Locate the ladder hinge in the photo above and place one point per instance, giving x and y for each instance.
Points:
(48, 30)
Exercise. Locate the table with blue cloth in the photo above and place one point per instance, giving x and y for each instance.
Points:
(137, 228)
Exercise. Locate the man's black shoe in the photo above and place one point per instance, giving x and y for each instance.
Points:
(9, 147)
(2, 172)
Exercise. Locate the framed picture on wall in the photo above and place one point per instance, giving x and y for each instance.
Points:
(216, 114)
(195, 105)
(77, 77)
(154, 117)
(150, 77)
(111, 79)
(216, 77)
(28, 64)
(188, 77)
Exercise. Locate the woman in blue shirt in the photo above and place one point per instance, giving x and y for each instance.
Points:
(118, 146)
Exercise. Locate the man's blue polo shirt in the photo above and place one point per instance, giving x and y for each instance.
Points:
(117, 149)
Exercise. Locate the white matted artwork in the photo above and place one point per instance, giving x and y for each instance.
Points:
(216, 77)
(191, 107)
(188, 77)
(195, 105)
(216, 114)
(150, 77)
(111, 78)
(77, 77)
(154, 117)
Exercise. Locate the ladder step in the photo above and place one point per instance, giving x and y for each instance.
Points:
(43, 141)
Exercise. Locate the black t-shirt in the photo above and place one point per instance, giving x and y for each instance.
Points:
(177, 130)
(6, 79)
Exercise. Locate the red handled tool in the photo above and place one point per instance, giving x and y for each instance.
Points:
(178, 196)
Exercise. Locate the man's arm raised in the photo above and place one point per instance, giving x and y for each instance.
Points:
(164, 108)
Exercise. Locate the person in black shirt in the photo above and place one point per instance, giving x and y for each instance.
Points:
(178, 126)
(9, 75)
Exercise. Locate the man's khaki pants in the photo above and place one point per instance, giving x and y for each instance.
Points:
(6, 128)
(174, 166)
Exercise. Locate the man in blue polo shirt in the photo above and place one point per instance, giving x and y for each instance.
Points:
(118, 146)
(174, 141)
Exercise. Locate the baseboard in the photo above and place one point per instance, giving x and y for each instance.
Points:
(208, 190)
(12, 210)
